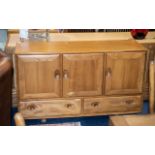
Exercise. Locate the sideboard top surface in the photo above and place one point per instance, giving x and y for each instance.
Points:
(42, 47)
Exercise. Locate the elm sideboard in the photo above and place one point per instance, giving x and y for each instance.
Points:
(79, 78)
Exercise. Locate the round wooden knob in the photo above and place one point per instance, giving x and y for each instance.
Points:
(95, 104)
(57, 74)
(129, 102)
(31, 107)
(68, 105)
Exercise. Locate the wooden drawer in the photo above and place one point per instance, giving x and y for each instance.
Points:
(46, 109)
(113, 104)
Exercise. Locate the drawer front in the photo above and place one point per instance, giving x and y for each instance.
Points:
(113, 104)
(43, 109)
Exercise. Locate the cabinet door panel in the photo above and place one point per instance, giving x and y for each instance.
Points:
(39, 76)
(82, 74)
(124, 72)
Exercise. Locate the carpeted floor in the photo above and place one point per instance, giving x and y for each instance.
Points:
(84, 121)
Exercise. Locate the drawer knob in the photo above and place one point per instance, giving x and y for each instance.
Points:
(68, 105)
(31, 107)
(129, 102)
(94, 104)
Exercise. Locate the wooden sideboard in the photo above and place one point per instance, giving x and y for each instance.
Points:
(66, 79)
(148, 42)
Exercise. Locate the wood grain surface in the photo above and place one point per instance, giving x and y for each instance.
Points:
(38, 47)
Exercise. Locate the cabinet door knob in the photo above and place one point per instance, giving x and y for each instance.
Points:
(108, 72)
(65, 74)
(94, 104)
(57, 74)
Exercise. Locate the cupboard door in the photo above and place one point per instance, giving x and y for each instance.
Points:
(82, 74)
(124, 72)
(39, 76)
